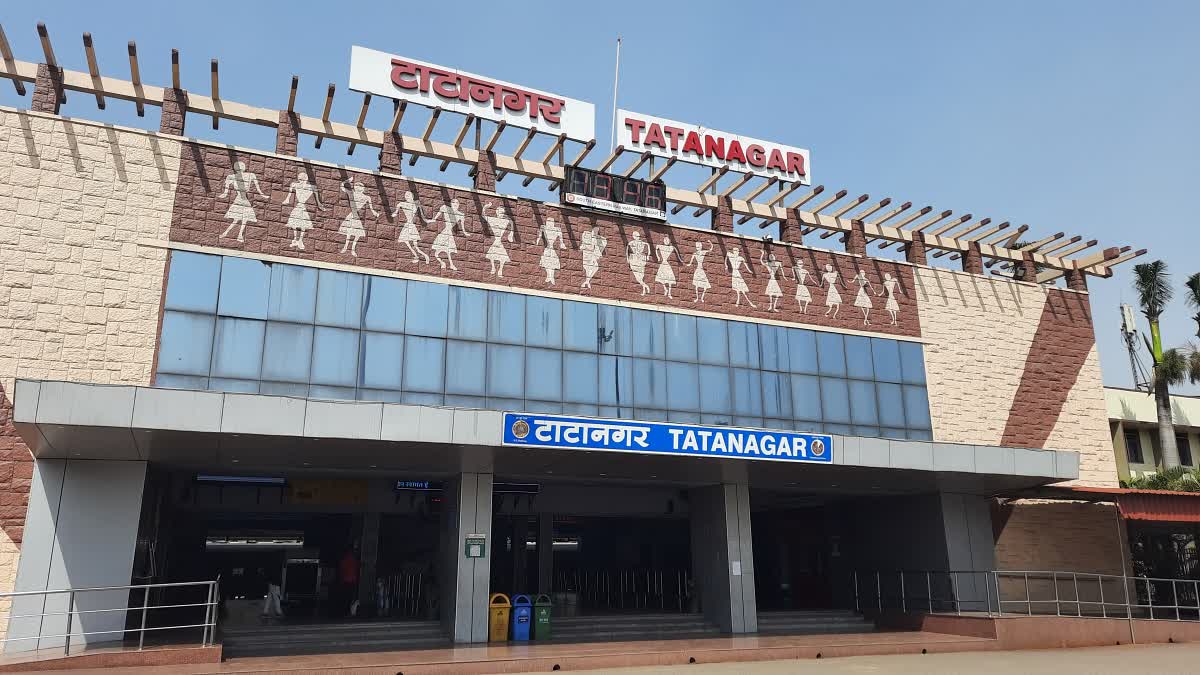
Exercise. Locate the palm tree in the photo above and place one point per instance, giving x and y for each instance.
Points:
(1193, 298)
(1153, 287)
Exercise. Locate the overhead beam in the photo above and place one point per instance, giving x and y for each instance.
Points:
(775, 199)
(175, 83)
(48, 54)
(491, 142)
(637, 164)
(362, 118)
(292, 93)
(555, 148)
(716, 175)
(520, 151)
(583, 153)
(400, 106)
(458, 138)
(658, 173)
(216, 95)
(433, 119)
(729, 190)
(843, 210)
(1062, 245)
(10, 64)
(93, 69)
(135, 77)
(329, 92)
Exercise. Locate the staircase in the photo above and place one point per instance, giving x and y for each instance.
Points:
(617, 627)
(329, 638)
(813, 622)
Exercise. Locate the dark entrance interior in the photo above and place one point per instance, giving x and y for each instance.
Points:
(792, 558)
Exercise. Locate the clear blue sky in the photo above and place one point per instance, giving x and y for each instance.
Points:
(1076, 116)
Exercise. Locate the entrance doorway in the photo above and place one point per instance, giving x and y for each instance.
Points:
(792, 565)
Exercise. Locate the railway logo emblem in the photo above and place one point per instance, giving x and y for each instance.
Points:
(520, 428)
(818, 447)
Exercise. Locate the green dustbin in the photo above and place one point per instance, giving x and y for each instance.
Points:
(541, 617)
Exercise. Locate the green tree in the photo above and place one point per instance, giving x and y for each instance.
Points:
(1193, 298)
(1153, 286)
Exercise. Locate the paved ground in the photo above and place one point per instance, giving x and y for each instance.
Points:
(1128, 660)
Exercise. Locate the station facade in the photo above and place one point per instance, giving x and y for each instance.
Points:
(225, 360)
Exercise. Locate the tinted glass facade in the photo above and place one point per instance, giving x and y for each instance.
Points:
(241, 325)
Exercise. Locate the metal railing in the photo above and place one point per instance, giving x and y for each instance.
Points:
(1028, 593)
(625, 589)
(21, 629)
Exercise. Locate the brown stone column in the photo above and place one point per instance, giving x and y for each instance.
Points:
(485, 172)
(722, 216)
(287, 136)
(856, 239)
(914, 251)
(973, 259)
(46, 89)
(174, 112)
(1077, 280)
(791, 230)
(1028, 268)
(391, 158)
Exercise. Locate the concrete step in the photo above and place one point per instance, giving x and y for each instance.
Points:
(813, 622)
(332, 638)
(621, 627)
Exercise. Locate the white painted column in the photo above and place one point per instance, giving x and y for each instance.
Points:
(80, 530)
(465, 582)
(723, 556)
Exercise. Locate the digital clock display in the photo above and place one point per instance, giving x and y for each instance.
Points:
(618, 194)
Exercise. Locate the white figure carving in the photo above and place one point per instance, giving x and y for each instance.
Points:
(549, 262)
(892, 306)
(700, 277)
(803, 296)
(774, 290)
(637, 253)
(863, 300)
(833, 299)
(499, 224)
(735, 262)
(352, 225)
(444, 243)
(409, 235)
(240, 211)
(298, 220)
(592, 246)
(665, 274)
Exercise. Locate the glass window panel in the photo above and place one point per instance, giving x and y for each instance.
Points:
(802, 351)
(383, 361)
(422, 398)
(862, 403)
(617, 324)
(858, 357)
(466, 360)
(181, 382)
(467, 314)
(293, 293)
(339, 299)
(891, 404)
(384, 304)
(245, 285)
(712, 338)
(831, 354)
(810, 427)
(806, 397)
(683, 386)
(886, 356)
(335, 357)
(283, 388)
(548, 407)
(912, 363)
(237, 349)
(719, 419)
(543, 374)
(871, 432)
(840, 429)
(287, 352)
(506, 318)
(715, 394)
(648, 331)
(773, 347)
(777, 395)
(744, 421)
(233, 386)
(920, 435)
(192, 284)
(615, 377)
(587, 409)
(681, 417)
(835, 400)
(649, 383)
(380, 395)
(186, 343)
(916, 407)
(889, 432)
(424, 364)
(743, 344)
(330, 392)
(579, 378)
(543, 322)
(506, 371)
(747, 392)
(510, 404)
(782, 425)
(459, 401)
(651, 415)
(579, 326)
(427, 306)
(680, 336)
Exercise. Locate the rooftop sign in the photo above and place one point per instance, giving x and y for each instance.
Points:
(434, 86)
(709, 147)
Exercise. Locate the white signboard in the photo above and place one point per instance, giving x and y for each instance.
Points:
(427, 84)
(697, 145)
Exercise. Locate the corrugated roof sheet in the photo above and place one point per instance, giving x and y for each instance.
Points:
(1156, 505)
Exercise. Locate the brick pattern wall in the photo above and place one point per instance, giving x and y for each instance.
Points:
(79, 296)
(202, 216)
(1060, 536)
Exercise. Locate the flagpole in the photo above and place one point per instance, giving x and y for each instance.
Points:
(612, 140)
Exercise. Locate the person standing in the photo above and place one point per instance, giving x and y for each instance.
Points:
(347, 582)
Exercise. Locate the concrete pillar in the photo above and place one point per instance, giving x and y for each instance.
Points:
(485, 172)
(1077, 280)
(914, 252)
(391, 158)
(791, 230)
(723, 556)
(1026, 269)
(973, 259)
(722, 216)
(46, 89)
(369, 555)
(856, 239)
(81, 527)
(970, 544)
(464, 582)
(545, 550)
(174, 112)
(287, 137)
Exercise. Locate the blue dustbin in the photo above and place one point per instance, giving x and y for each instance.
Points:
(522, 617)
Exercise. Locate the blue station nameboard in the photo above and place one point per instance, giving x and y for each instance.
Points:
(664, 438)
